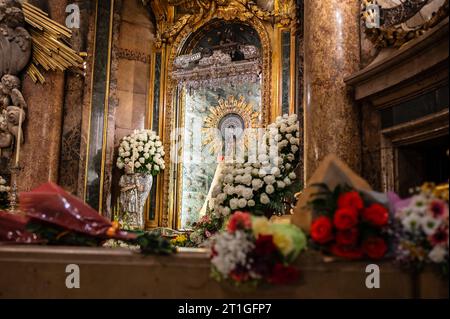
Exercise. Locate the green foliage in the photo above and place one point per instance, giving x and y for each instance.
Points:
(279, 201)
(210, 223)
(55, 235)
(154, 244)
(325, 201)
(149, 242)
(298, 237)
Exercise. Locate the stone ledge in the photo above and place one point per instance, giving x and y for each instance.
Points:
(39, 272)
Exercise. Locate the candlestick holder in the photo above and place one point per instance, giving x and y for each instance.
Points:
(14, 196)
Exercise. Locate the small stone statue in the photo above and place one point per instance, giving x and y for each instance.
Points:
(10, 92)
(12, 114)
(15, 54)
(16, 117)
(15, 41)
(6, 138)
(5, 101)
(134, 191)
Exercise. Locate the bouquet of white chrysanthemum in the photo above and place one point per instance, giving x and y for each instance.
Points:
(263, 182)
(141, 152)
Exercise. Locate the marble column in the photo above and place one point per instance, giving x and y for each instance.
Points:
(40, 155)
(332, 52)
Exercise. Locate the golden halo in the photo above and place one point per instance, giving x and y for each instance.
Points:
(239, 108)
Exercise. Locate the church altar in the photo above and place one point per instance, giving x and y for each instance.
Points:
(268, 131)
(40, 272)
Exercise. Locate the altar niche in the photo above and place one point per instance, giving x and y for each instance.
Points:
(219, 77)
(216, 65)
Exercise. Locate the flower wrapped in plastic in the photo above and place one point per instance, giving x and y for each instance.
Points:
(55, 217)
(62, 218)
(342, 214)
(350, 224)
(13, 230)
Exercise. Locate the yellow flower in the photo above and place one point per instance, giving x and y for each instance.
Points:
(285, 220)
(261, 226)
(179, 241)
(284, 242)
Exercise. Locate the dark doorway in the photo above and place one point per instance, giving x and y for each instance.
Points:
(422, 162)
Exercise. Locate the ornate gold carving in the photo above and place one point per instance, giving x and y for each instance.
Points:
(50, 50)
(132, 55)
(243, 10)
(176, 21)
(230, 106)
(393, 32)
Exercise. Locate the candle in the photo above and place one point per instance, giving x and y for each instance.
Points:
(19, 137)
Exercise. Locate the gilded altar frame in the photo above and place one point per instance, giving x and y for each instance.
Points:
(172, 33)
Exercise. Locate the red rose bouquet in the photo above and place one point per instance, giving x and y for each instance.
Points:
(252, 250)
(349, 224)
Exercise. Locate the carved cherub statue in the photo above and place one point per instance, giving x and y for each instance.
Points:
(6, 138)
(15, 40)
(12, 108)
(10, 88)
(15, 121)
(5, 101)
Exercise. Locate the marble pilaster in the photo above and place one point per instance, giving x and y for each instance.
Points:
(332, 52)
(75, 89)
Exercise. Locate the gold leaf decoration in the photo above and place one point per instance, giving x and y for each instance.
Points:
(228, 10)
(239, 107)
(51, 49)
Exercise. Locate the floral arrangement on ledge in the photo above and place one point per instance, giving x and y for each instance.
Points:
(263, 183)
(141, 152)
(349, 224)
(421, 228)
(253, 250)
(205, 229)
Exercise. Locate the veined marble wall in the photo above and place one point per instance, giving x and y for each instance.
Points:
(117, 90)
(332, 52)
(76, 88)
(130, 75)
(40, 155)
